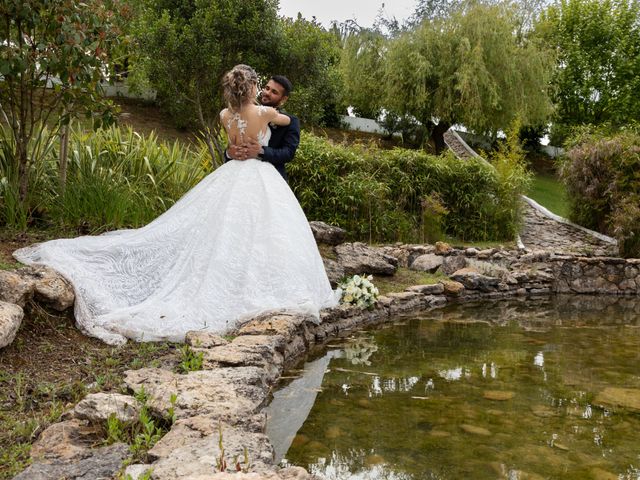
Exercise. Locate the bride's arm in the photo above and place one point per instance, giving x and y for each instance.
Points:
(278, 118)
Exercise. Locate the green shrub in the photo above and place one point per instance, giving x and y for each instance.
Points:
(378, 195)
(115, 178)
(602, 175)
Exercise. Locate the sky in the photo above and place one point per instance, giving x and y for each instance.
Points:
(363, 11)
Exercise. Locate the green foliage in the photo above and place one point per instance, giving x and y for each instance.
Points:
(362, 71)
(433, 218)
(141, 434)
(53, 57)
(602, 175)
(377, 195)
(116, 178)
(469, 67)
(190, 361)
(598, 74)
(309, 58)
(512, 179)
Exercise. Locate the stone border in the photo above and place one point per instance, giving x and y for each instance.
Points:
(224, 404)
(559, 219)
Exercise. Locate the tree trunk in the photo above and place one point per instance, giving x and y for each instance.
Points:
(23, 170)
(437, 136)
(64, 148)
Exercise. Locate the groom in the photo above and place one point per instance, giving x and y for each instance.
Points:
(284, 140)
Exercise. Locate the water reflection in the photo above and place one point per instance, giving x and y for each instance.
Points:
(501, 390)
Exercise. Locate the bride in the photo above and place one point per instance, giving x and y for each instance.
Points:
(236, 245)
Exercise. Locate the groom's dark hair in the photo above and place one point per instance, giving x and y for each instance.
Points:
(284, 81)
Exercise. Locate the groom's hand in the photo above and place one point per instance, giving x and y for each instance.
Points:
(252, 148)
(237, 152)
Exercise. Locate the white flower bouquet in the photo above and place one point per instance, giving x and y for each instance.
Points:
(360, 291)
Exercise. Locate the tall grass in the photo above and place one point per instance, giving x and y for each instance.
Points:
(116, 178)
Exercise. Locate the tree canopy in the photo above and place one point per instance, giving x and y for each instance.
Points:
(470, 67)
(597, 78)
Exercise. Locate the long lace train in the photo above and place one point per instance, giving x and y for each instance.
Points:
(236, 245)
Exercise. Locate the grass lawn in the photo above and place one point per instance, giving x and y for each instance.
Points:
(547, 190)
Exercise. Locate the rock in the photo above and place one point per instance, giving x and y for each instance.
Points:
(628, 398)
(137, 470)
(53, 289)
(10, 319)
(328, 234)
(98, 464)
(471, 252)
(443, 248)
(202, 339)
(228, 394)
(474, 430)
(192, 448)
(472, 280)
(435, 289)
(286, 324)
(49, 286)
(334, 270)
(497, 395)
(486, 253)
(265, 352)
(358, 258)
(452, 263)
(98, 407)
(600, 474)
(427, 263)
(66, 440)
(15, 288)
(451, 288)
(543, 411)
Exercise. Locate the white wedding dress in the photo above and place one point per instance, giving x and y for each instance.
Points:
(236, 245)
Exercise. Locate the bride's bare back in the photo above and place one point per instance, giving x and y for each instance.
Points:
(250, 123)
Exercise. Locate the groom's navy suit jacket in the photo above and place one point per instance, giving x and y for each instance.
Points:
(282, 146)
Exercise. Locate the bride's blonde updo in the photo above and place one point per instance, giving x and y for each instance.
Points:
(238, 85)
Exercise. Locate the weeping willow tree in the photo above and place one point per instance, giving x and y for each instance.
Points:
(362, 70)
(472, 68)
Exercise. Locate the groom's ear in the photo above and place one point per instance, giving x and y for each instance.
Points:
(283, 100)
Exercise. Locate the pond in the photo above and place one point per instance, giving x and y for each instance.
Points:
(528, 389)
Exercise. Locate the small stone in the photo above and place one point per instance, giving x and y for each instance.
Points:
(137, 471)
(474, 430)
(203, 339)
(498, 395)
(453, 263)
(543, 411)
(98, 407)
(435, 289)
(10, 319)
(327, 234)
(299, 440)
(443, 248)
(333, 432)
(600, 474)
(374, 459)
(451, 288)
(427, 263)
(619, 397)
(359, 258)
(14, 288)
